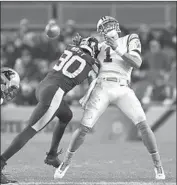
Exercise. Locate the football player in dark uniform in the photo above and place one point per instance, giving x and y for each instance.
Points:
(73, 67)
(10, 82)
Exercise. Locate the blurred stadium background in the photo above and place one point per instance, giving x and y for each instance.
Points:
(25, 48)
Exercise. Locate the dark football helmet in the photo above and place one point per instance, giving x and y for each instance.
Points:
(91, 45)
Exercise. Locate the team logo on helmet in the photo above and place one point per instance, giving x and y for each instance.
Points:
(106, 24)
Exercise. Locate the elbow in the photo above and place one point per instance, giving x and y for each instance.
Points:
(137, 64)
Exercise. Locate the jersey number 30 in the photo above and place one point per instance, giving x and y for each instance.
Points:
(66, 60)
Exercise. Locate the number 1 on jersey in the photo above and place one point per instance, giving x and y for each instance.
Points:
(108, 56)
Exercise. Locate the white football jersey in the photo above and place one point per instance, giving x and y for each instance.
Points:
(112, 64)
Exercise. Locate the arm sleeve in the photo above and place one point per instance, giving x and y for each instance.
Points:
(134, 45)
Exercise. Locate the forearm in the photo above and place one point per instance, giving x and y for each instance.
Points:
(85, 98)
(133, 57)
(93, 74)
(90, 79)
(132, 60)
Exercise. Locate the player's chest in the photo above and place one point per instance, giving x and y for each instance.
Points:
(107, 54)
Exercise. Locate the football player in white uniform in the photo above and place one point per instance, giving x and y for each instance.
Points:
(117, 56)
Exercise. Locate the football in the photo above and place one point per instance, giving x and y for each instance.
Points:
(52, 29)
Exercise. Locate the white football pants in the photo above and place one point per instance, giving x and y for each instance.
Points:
(106, 93)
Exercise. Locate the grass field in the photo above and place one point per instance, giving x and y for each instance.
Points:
(108, 163)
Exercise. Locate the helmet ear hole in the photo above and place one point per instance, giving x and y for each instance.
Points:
(100, 29)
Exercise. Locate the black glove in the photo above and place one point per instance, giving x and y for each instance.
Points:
(77, 39)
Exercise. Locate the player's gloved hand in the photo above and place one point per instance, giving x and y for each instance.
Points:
(77, 39)
(9, 93)
(113, 44)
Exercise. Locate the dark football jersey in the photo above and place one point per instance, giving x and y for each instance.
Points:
(72, 68)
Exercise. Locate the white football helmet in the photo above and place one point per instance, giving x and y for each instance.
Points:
(108, 25)
(10, 83)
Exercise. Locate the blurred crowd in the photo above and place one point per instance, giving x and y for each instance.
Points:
(33, 54)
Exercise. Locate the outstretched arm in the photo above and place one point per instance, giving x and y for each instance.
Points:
(92, 78)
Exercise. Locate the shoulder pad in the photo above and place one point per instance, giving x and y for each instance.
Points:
(133, 36)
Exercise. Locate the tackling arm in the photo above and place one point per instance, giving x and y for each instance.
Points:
(94, 73)
(85, 98)
(92, 78)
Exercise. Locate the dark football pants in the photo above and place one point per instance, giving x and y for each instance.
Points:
(50, 104)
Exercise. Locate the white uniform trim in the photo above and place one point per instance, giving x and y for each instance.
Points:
(54, 105)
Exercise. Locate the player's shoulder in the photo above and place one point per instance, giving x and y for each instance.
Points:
(132, 36)
(76, 50)
(129, 37)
